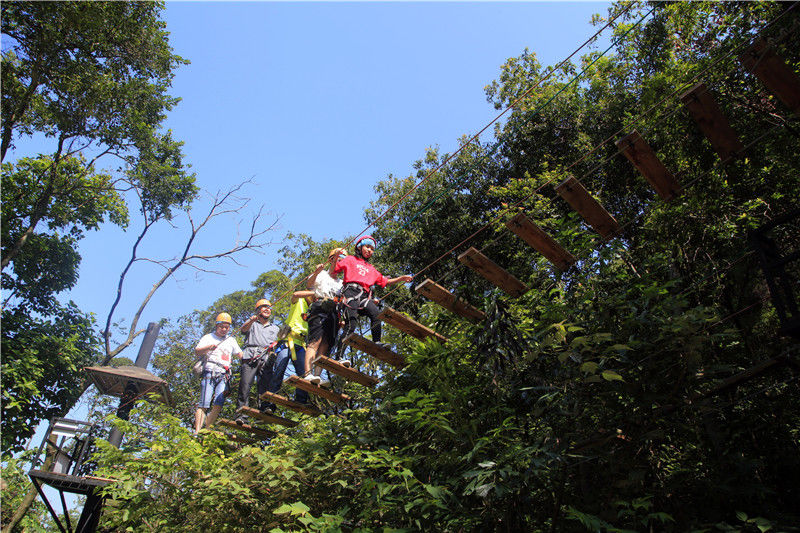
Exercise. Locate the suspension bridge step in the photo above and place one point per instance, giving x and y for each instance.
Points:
(774, 73)
(541, 241)
(378, 352)
(712, 122)
(264, 417)
(347, 373)
(493, 272)
(234, 437)
(408, 325)
(311, 388)
(647, 162)
(449, 301)
(588, 207)
(253, 430)
(291, 404)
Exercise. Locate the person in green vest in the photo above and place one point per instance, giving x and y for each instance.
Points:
(292, 346)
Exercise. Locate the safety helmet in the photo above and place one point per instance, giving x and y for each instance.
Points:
(224, 317)
(366, 239)
(336, 254)
(263, 301)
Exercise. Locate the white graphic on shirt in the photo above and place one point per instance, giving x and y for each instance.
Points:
(362, 270)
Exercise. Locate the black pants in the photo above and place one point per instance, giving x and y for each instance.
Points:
(355, 308)
(246, 377)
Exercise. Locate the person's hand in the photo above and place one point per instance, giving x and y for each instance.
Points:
(211, 347)
(406, 278)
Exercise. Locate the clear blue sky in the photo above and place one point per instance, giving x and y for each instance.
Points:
(316, 101)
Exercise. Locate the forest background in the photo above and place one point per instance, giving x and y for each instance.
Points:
(567, 408)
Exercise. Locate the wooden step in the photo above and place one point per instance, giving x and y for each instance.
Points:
(367, 346)
(449, 301)
(712, 122)
(408, 325)
(647, 162)
(258, 432)
(234, 437)
(493, 272)
(311, 388)
(264, 417)
(541, 241)
(290, 404)
(347, 373)
(774, 73)
(588, 207)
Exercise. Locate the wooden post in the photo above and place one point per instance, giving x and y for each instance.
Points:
(449, 301)
(540, 241)
(588, 207)
(712, 122)
(647, 162)
(774, 73)
(409, 326)
(493, 272)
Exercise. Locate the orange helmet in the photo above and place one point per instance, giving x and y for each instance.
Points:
(263, 301)
(224, 317)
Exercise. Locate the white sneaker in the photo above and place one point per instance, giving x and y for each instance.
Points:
(325, 383)
(314, 379)
(346, 363)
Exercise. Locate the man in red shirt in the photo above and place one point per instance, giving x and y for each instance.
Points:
(359, 277)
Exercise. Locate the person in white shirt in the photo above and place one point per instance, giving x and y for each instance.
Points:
(217, 349)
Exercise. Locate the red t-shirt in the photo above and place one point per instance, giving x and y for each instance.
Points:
(357, 270)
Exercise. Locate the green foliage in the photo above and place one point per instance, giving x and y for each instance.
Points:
(14, 485)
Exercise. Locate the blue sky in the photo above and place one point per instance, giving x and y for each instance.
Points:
(316, 102)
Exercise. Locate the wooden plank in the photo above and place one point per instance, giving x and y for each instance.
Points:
(347, 373)
(647, 162)
(408, 325)
(378, 352)
(588, 207)
(492, 272)
(773, 72)
(449, 301)
(236, 438)
(290, 404)
(264, 417)
(258, 432)
(540, 241)
(712, 122)
(311, 388)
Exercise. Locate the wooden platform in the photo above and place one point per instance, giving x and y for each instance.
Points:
(290, 404)
(449, 301)
(253, 430)
(311, 388)
(264, 417)
(68, 483)
(540, 241)
(408, 325)
(347, 373)
(712, 122)
(493, 272)
(367, 346)
(588, 207)
(647, 162)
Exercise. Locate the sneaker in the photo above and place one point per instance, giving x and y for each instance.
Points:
(241, 420)
(314, 379)
(267, 409)
(383, 345)
(346, 363)
(325, 383)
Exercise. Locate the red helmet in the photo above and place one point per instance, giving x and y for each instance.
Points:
(370, 241)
